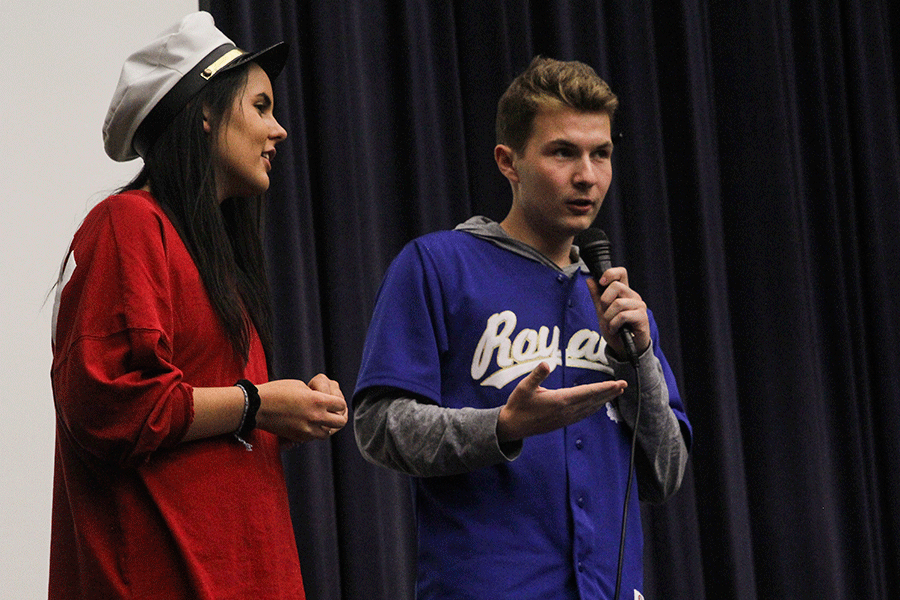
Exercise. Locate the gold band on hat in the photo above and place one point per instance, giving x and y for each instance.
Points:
(221, 62)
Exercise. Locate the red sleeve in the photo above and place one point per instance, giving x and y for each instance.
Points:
(118, 394)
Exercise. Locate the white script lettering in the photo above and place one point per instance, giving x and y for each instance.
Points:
(521, 354)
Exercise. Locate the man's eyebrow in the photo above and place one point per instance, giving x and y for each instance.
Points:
(608, 144)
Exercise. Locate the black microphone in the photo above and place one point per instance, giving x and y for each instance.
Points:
(594, 247)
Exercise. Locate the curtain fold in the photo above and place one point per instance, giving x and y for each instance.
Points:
(755, 202)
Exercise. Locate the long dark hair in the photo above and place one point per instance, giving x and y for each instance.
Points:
(223, 239)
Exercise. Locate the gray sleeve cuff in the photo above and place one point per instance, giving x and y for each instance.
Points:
(417, 437)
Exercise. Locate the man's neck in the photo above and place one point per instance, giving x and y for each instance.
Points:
(558, 251)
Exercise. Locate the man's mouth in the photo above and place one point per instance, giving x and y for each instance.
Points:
(581, 202)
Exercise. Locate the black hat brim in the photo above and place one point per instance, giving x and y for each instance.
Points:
(272, 60)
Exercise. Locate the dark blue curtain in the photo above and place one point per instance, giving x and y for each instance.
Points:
(755, 202)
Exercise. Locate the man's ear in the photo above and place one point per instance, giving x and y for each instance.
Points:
(505, 158)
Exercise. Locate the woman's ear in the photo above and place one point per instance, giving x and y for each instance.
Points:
(505, 158)
(206, 126)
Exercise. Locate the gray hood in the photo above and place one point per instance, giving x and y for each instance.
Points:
(486, 229)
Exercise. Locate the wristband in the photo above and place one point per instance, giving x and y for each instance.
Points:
(252, 403)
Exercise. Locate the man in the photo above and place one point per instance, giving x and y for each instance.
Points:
(493, 372)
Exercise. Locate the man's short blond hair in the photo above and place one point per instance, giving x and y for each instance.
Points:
(549, 84)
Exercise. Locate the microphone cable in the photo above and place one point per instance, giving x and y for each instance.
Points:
(633, 359)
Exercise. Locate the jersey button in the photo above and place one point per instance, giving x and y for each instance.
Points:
(579, 443)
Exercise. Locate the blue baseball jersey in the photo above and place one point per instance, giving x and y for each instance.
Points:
(460, 321)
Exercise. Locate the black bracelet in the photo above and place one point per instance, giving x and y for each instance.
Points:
(252, 403)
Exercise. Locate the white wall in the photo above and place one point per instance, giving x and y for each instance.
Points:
(59, 63)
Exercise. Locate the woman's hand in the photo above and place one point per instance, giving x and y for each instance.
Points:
(299, 412)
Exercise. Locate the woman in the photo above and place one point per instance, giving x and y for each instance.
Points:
(162, 334)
